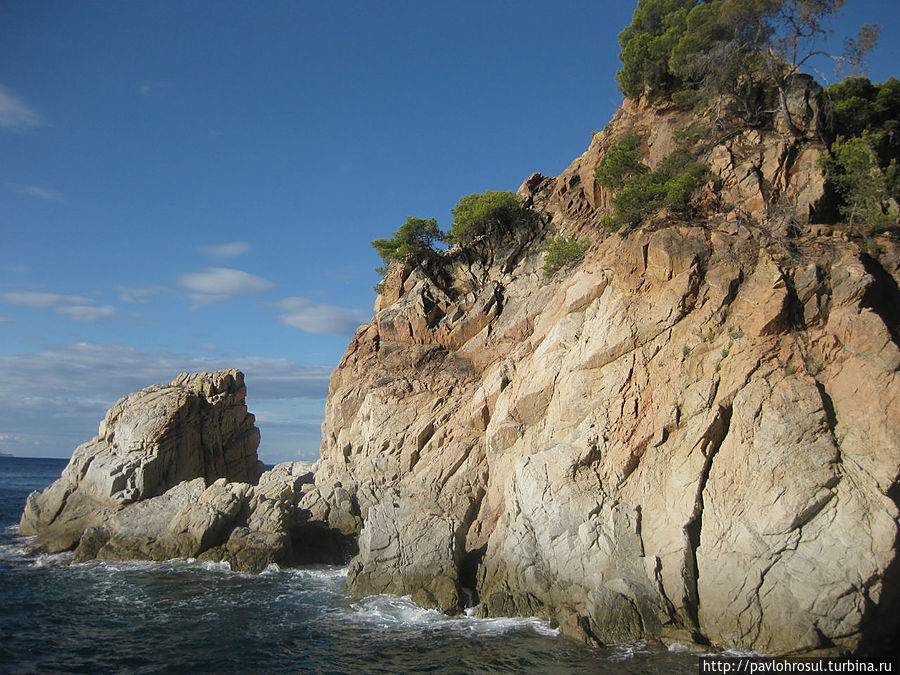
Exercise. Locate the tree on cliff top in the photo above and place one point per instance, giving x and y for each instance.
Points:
(730, 47)
(412, 243)
(490, 211)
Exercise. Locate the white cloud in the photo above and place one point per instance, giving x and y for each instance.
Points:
(320, 318)
(47, 194)
(56, 398)
(86, 312)
(229, 250)
(6, 319)
(33, 299)
(73, 307)
(145, 89)
(15, 113)
(222, 281)
(14, 268)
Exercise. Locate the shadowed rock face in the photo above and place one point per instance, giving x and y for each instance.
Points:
(693, 434)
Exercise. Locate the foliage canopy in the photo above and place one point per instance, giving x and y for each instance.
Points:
(621, 162)
(637, 191)
(477, 214)
(730, 47)
(411, 244)
(862, 163)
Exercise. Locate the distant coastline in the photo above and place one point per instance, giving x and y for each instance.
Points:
(6, 454)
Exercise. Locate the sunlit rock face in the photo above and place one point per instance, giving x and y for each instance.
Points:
(693, 433)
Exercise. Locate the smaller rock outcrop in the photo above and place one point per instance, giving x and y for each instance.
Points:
(173, 473)
(150, 441)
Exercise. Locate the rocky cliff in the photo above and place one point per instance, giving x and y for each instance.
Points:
(691, 434)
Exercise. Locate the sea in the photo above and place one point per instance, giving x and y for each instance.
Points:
(185, 616)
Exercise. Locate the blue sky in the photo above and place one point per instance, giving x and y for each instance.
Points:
(194, 185)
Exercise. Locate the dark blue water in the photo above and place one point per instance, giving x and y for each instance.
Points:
(190, 617)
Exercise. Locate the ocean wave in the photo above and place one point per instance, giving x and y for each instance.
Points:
(390, 612)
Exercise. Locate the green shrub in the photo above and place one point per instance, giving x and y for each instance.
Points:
(411, 244)
(862, 163)
(621, 162)
(670, 186)
(491, 211)
(562, 251)
(865, 188)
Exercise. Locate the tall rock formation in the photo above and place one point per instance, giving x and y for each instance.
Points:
(196, 427)
(693, 434)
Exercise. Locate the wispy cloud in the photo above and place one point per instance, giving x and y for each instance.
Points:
(87, 313)
(134, 295)
(73, 307)
(47, 194)
(34, 299)
(15, 268)
(320, 318)
(230, 250)
(6, 319)
(16, 114)
(216, 284)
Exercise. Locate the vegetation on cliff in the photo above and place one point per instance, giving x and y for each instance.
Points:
(562, 251)
(862, 164)
(490, 212)
(487, 212)
(638, 191)
(733, 48)
(740, 58)
(411, 244)
(730, 65)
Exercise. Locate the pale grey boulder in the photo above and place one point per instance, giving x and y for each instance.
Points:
(150, 441)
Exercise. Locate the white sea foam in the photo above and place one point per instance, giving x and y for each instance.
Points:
(623, 652)
(13, 552)
(390, 612)
(52, 559)
(678, 648)
(736, 652)
(320, 572)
